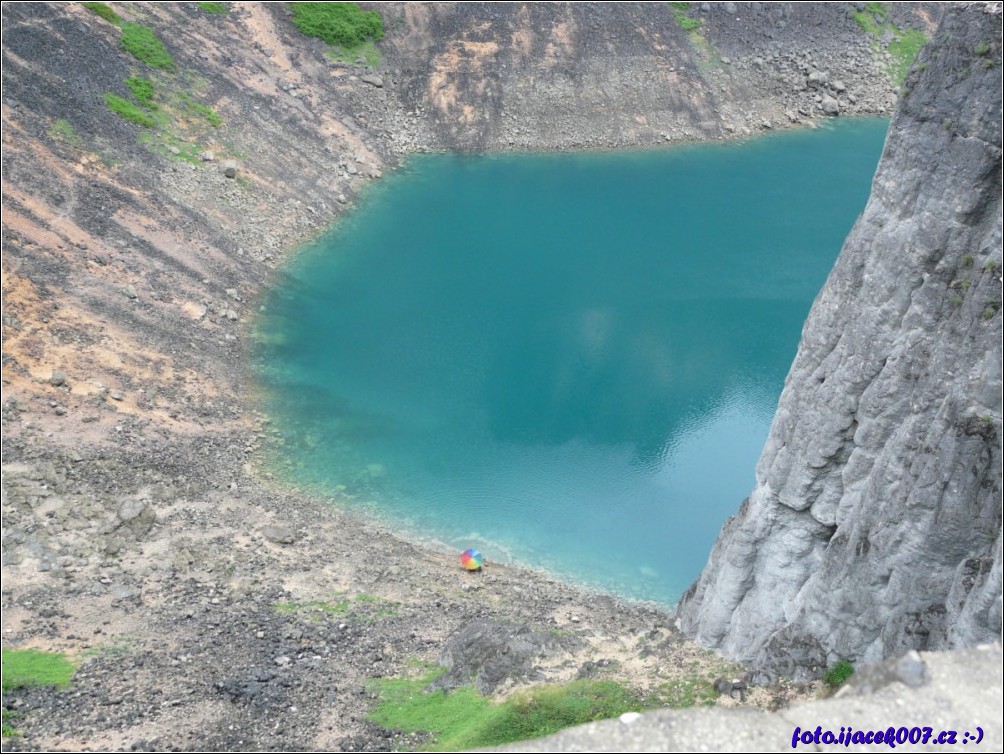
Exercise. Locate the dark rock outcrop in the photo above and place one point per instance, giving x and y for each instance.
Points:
(875, 524)
(487, 654)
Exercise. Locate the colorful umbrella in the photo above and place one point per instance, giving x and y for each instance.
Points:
(472, 559)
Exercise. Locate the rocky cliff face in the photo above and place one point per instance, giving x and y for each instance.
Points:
(875, 524)
(135, 518)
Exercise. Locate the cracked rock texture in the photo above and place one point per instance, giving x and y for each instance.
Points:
(875, 524)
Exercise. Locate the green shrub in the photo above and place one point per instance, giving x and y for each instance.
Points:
(142, 91)
(982, 48)
(104, 11)
(838, 673)
(337, 23)
(140, 42)
(215, 8)
(128, 110)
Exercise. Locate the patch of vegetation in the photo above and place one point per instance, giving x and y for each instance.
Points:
(838, 673)
(967, 260)
(129, 110)
(62, 130)
(142, 91)
(991, 309)
(689, 691)
(982, 49)
(680, 13)
(105, 12)
(193, 107)
(344, 24)
(367, 50)
(32, 667)
(904, 48)
(140, 42)
(872, 17)
(218, 9)
(990, 266)
(904, 44)
(463, 719)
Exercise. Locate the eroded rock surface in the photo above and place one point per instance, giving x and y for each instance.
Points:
(875, 524)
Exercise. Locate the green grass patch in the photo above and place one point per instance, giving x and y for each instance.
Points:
(344, 24)
(142, 91)
(193, 108)
(62, 130)
(689, 691)
(681, 14)
(463, 719)
(217, 9)
(140, 42)
(33, 667)
(105, 12)
(904, 46)
(838, 673)
(367, 50)
(129, 110)
(904, 49)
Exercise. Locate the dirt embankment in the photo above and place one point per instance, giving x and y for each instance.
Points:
(138, 535)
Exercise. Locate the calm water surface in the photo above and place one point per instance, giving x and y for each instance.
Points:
(570, 361)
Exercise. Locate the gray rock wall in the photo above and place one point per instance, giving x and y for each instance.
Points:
(875, 523)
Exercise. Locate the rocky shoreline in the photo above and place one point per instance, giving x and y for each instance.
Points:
(208, 607)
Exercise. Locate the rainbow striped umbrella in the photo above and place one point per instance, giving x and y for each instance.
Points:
(472, 559)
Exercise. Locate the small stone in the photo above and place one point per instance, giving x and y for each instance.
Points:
(57, 378)
(911, 670)
(816, 78)
(230, 168)
(137, 515)
(282, 661)
(372, 79)
(283, 535)
(130, 291)
(830, 105)
(207, 156)
(174, 150)
(116, 395)
(629, 718)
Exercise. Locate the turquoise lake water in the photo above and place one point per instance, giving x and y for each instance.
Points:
(570, 361)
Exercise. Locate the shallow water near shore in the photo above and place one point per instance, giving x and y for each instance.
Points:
(567, 360)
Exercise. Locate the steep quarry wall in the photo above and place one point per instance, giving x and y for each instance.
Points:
(139, 530)
(875, 524)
